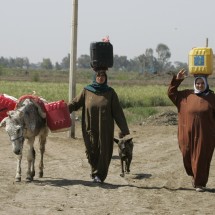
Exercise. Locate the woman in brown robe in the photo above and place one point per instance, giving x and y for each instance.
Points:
(100, 108)
(196, 126)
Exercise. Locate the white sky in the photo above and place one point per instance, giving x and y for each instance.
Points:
(40, 29)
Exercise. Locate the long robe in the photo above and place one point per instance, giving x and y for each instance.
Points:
(196, 130)
(98, 115)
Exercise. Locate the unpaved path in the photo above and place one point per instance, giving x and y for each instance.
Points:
(157, 183)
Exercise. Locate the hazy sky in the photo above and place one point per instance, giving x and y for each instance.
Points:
(40, 29)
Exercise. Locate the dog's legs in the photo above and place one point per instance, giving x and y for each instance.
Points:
(122, 168)
(128, 162)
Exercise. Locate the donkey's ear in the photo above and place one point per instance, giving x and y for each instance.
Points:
(3, 122)
(115, 140)
(21, 114)
(10, 113)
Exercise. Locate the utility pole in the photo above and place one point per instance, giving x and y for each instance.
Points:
(73, 59)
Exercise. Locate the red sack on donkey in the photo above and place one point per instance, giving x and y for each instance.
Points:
(7, 103)
(58, 116)
(56, 113)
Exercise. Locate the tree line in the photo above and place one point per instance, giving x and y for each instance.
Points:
(144, 63)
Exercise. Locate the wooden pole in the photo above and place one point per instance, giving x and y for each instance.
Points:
(73, 59)
(206, 42)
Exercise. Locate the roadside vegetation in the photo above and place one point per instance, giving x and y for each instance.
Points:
(140, 94)
(151, 61)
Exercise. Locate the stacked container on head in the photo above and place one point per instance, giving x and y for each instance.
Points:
(101, 54)
(201, 61)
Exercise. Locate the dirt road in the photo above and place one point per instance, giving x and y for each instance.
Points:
(157, 183)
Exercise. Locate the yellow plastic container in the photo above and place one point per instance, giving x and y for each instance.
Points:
(201, 61)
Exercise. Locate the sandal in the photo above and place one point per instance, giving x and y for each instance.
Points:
(97, 180)
(200, 189)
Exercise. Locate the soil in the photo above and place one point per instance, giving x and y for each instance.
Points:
(157, 183)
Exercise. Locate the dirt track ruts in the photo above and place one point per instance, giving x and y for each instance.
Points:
(157, 183)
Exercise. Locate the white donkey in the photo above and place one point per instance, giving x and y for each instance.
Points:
(26, 122)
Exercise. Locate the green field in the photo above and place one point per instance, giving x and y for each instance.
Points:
(137, 101)
(137, 94)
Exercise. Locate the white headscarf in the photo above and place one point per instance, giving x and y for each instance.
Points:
(206, 89)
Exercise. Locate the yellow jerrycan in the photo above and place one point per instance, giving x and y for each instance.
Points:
(201, 61)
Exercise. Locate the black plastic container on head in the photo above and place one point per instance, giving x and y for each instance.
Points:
(101, 54)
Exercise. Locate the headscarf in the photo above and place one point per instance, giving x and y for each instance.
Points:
(206, 90)
(96, 87)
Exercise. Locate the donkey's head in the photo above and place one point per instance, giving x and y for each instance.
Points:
(14, 127)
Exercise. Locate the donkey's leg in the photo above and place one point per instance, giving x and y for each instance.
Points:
(31, 160)
(33, 164)
(42, 141)
(18, 168)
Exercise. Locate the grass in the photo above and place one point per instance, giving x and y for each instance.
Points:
(138, 114)
(49, 91)
(138, 94)
(132, 96)
(143, 96)
(137, 101)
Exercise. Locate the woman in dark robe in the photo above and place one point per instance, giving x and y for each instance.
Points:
(100, 108)
(196, 126)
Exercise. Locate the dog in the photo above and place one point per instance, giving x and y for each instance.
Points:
(125, 149)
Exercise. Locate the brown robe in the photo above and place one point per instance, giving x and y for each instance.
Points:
(196, 130)
(98, 115)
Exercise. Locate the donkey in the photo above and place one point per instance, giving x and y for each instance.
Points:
(25, 123)
(125, 149)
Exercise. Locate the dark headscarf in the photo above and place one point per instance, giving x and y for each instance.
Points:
(96, 87)
(206, 90)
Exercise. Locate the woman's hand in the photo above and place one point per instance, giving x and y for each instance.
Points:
(121, 135)
(181, 74)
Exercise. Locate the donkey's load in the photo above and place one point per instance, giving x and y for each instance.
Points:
(58, 116)
(7, 103)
